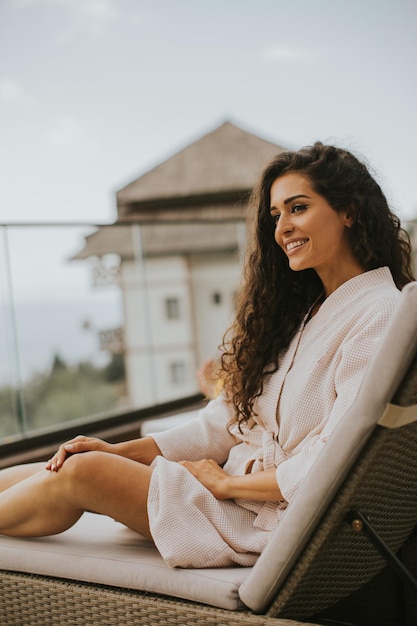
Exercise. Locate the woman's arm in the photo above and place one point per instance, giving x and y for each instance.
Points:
(141, 450)
(259, 486)
(204, 436)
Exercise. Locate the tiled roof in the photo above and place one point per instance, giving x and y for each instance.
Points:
(188, 203)
(224, 161)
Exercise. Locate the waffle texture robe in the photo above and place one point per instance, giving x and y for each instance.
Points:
(317, 380)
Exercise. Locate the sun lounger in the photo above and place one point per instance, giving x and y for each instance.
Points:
(323, 564)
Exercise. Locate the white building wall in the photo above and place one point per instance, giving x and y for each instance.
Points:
(159, 350)
(214, 281)
(411, 227)
(176, 311)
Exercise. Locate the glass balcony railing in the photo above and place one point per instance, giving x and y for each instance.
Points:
(101, 318)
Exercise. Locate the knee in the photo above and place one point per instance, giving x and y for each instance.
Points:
(78, 467)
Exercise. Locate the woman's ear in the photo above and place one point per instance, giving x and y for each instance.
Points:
(349, 217)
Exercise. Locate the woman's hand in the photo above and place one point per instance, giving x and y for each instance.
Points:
(259, 486)
(211, 475)
(75, 446)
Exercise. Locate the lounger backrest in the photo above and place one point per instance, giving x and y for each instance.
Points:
(314, 557)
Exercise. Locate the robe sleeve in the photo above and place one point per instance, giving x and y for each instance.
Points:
(355, 354)
(206, 436)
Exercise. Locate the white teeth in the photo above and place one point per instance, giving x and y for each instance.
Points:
(295, 244)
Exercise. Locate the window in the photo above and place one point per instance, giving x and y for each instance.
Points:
(178, 373)
(216, 298)
(172, 308)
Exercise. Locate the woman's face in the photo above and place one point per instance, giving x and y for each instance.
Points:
(310, 232)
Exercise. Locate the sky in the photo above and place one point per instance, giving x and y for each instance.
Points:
(93, 93)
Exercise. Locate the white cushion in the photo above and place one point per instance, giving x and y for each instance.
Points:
(99, 550)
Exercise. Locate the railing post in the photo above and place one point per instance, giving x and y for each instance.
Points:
(20, 401)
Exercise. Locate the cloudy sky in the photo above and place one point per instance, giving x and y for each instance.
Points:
(95, 92)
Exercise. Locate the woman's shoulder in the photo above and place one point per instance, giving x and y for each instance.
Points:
(368, 299)
(370, 289)
(373, 306)
(381, 290)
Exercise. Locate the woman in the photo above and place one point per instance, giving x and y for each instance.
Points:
(322, 279)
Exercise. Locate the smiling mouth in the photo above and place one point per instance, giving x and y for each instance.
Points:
(295, 244)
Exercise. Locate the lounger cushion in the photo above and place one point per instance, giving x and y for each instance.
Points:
(98, 549)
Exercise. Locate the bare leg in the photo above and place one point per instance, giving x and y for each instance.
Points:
(13, 475)
(47, 502)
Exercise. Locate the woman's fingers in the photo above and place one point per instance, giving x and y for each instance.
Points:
(209, 473)
(74, 446)
(57, 460)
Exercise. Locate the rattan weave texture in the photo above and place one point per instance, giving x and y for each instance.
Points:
(41, 601)
(337, 561)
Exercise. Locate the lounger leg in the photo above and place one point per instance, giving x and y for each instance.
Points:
(360, 523)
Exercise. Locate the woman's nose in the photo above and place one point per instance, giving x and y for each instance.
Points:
(284, 225)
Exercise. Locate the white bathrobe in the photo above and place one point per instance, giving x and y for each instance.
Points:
(317, 380)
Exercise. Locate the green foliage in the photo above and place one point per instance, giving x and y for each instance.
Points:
(65, 393)
(115, 370)
(58, 364)
(9, 423)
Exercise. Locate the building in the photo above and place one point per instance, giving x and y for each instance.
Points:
(178, 240)
(411, 228)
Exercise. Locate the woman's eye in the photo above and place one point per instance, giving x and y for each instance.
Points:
(298, 207)
(275, 218)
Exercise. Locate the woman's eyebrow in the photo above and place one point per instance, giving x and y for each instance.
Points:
(300, 195)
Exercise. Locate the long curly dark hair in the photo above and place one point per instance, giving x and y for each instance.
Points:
(274, 299)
